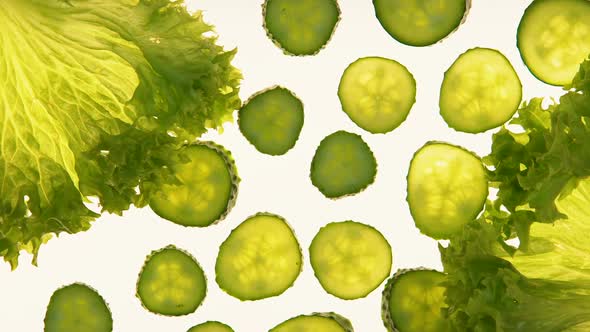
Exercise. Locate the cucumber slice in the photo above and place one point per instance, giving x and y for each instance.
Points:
(343, 165)
(261, 258)
(377, 93)
(480, 91)
(300, 27)
(350, 259)
(171, 282)
(207, 191)
(211, 326)
(447, 188)
(77, 307)
(554, 38)
(317, 321)
(413, 301)
(272, 120)
(420, 22)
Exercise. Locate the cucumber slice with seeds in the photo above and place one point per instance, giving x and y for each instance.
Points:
(480, 91)
(300, 27)
(77, 307)
(261, 258)
(413, 301)
(318, 321)
(272, 120)
(377, 93)
(171, 282)
(420, 22)
(343, 165)
(350, 259)
(211, 326)
(207, 190)
(554, 38)
(447, 188)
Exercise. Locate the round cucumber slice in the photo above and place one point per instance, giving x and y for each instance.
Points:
(207, 191)
(413, 301)
(554, 39)
(480, 91)
(261, 258)
(343, 165)
(272, 120)
(211, 326)
(377, 93)
(447, 188)
(171, 282)
(420, 22)
(318, 321)
(350, 259)
(77, 307)
(300, 27)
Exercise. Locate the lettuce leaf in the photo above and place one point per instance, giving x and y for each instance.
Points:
(97, 97)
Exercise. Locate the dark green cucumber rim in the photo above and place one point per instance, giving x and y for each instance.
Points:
(259, 93)
(346, 222)
(52, 299)
(386, 296)
(285, 51)
(405, 42)
(148, 258)
(445, 76)
(341, 320)
(258, 214)
(232, 169)
(439, 236)
(313, 163)
(389, 129)
(537, 75)
(210, 321)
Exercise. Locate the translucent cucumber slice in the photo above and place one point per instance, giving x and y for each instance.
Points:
(554, 38)
(211, 326)
(480, 91)
(272, 120)
(300, 27)
(261, 258)
(377, 93)
(350, 259)
(318, 321)
(420, 22)
(207, 190)
(343, 165)
(413, 301)
(75, 308)
(171, 282)
(447, 188)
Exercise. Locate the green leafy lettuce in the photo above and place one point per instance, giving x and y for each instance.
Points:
(542, 175)
(97, 96)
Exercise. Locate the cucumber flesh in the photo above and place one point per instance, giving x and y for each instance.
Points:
(207, 189)
(447, 188)
(272, 120)
(343, 165)
(261, 258)
(75, 308)
(300, 27)
(413, 301)
(320, 322)
(350, 259)
(171, 282)
(377, 93)
(480, 91)
(420, 22)
(554, 39)
(211, 326)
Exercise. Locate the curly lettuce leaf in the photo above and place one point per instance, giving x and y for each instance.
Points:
(97, 97)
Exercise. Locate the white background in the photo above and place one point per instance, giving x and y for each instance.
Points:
(110, 255)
